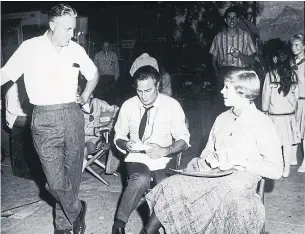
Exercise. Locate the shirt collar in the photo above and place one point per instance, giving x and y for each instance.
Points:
(48, 40)
(155, 104)
(246, 111)
(237, 31)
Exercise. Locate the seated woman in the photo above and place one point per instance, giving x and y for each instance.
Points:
(93, 110)
(242, 139)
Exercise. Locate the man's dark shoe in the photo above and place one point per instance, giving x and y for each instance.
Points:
(79, 225)
(118, 230)
(66, 231)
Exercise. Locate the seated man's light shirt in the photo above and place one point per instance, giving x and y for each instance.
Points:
(13, 107)
(50, 77)
(166, 121)
(143, 60)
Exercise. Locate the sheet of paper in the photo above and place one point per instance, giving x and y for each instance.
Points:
(153, 164)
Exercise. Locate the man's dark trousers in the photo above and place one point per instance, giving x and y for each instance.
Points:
(59, 138)
(139, 181)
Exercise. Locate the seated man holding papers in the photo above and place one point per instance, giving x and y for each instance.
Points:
(150, 129)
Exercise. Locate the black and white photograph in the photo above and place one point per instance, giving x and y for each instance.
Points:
(152, 117)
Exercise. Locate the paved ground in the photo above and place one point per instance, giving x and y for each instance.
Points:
(28, 214)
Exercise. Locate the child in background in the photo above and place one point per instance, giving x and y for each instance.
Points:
(298, 65)
(92, 112)
(279, 101)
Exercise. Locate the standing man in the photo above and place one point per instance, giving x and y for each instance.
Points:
(108, 66)
(51, 64)
(152, 119)
(231, 48)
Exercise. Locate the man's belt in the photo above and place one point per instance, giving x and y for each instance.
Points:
(292, 113)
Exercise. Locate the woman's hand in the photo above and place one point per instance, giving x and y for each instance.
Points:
(197, 165)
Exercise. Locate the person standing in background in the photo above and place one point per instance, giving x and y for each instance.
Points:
(166, 84)
(279, 101)
(51, 64)
(108, 66)
(246, 23)
(298, 65)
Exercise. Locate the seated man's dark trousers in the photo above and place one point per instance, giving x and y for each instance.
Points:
(138, 183)
(59, 138)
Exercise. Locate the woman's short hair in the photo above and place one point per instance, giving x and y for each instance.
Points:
(144, 73)
(245, 82)
(297, 37)
(61, 10)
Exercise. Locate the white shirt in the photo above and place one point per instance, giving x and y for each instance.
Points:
(166, 121)
(50, 77)
(251, 137)
(13, 107)
(143, 60)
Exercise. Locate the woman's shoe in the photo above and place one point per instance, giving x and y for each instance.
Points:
(302, 168)
(286, 172)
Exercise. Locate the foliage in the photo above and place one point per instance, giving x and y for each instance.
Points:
(193, 32)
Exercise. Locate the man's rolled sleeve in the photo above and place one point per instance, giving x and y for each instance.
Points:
(87, 67)
(179, 129)
(122, 127)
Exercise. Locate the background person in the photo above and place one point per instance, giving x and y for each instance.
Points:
(96, 109)
(108, 66)
(166, 83)
(50, 64)
(298, 65)
(279, 100)
(242, 139)
(246, 23)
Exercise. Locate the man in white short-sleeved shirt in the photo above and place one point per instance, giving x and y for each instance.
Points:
(51, 64)
(163, 130)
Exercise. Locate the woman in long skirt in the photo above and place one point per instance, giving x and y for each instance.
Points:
(242, 139)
